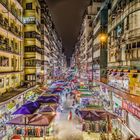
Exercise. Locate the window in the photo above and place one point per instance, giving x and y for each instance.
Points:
(127, 23)
(31, 77)
(89, 17)
(29, 6)
(138, 44)
(1, 82)
(12, 62)
(98, 8)
(4, 61)
(7, 81)
(37, 9)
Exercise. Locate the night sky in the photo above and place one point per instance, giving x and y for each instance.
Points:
(67, 17)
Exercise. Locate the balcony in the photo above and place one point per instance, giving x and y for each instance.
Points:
(133, 34)
(122, 13)
(3, 22)
(33, 48)
(13, 29)
(4, 3)
(5, 46)
(32, 34)
(33, 63)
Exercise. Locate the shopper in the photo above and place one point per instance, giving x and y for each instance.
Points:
(70, 115)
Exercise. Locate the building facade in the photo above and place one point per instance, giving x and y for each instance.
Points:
(51, 44)
(84, 46)
(32, 41)
(123, 58)
(123, 45)
(112, 48)
(11, 45)
(99, 43)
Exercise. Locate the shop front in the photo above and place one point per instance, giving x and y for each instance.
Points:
(132, 116)
(89, 102)
(106, 97)
(5, 115)
(134, 83)
(117, 104)
(119, 80)
(8, 107)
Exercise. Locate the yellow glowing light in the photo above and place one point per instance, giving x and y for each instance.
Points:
(103, 37)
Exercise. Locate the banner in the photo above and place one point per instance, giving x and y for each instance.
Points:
(131, 108)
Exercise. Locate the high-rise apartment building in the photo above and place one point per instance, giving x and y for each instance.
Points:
(11, 45)
(84, 46)
(51, 44)
(124, 45)
(99, 44)
(32, 41)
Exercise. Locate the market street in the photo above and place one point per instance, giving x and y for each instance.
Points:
(69, 69)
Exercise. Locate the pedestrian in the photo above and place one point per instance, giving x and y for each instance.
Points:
(66, 95)
(70, 115)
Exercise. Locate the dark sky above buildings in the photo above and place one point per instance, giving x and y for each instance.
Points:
(67, 17)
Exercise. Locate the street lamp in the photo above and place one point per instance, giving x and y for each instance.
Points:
(103, 57)
(103, 38)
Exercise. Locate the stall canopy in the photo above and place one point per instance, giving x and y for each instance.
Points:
(76, 92)
(94, 115)
(33, 120)
(47, 100)
(49, 97)
(41, 120)
(28, 108)
(46, 109)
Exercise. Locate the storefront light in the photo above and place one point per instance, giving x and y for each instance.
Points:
(53, 113)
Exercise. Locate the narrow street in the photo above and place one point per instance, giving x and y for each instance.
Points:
(69, 70)
(67, 128)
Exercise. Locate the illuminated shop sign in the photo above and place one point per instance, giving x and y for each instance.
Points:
(30, 20)
(131, 108)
